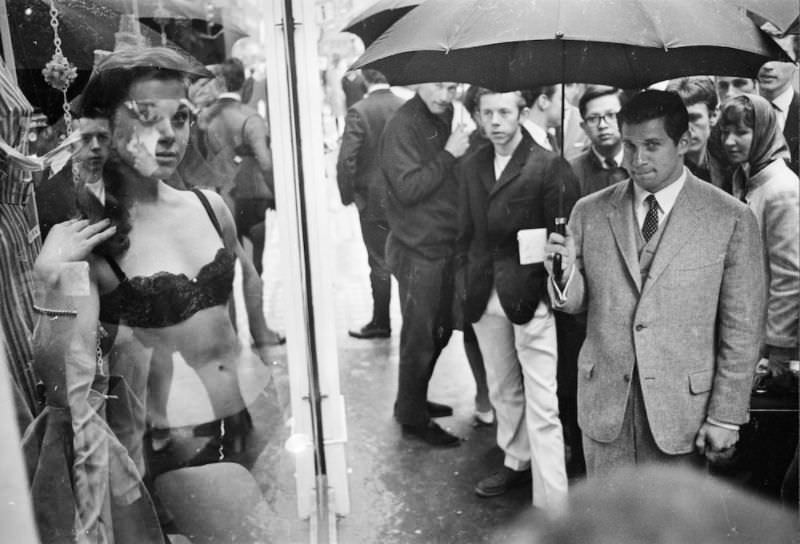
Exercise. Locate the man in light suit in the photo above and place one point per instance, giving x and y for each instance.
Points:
(664, 265)
(360, 180)
(507, 188)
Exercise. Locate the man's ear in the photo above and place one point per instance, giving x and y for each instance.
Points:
(683, 143)
(542, 102)
(713, 117)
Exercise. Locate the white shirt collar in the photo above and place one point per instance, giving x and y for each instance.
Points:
(538, 133)
(235, 96)
(377, 87)
(617, 158)
(784, 100)
(666, 198)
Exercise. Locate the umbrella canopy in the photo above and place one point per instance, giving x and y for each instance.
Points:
(518, 44)
(373, 21)
(784, 15)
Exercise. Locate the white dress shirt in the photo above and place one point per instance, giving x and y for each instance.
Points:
(781, 105)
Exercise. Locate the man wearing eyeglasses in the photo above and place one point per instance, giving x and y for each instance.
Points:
(600, 165)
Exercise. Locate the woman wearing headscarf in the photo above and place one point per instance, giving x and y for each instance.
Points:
(762, 179)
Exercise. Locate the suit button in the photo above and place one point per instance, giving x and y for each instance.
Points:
(640, 327)
(626, 377)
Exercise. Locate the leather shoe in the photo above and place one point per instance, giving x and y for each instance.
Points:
(501, 481)
(371, 330)
(436, 409)
(433, 434)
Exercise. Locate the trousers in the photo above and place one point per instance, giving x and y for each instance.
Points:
(426, 298)
(521, 364)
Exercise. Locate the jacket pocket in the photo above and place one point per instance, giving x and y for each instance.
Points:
(700, 382)
(586, 370)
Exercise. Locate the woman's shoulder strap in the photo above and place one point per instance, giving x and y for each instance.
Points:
(115, 267)
(209, 210)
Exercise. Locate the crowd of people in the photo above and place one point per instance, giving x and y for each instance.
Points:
(619, 262)
(633, 335)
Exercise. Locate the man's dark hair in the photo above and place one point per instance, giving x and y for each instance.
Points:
(652, 104)
(530, 95)
(696, 90)
(595, 91)
(373, 77)
(233, 74)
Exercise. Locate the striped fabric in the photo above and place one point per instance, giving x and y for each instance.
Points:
(19, 245)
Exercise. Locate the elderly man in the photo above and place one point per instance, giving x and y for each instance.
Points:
(664, 265)
(417, 152)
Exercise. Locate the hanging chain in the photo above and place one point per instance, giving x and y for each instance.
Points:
(59, 72)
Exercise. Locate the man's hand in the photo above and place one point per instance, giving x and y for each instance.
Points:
(458, 142)
(715, 442)
(564, 246)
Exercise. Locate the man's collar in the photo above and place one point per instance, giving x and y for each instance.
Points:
(234, 96)
(378, 87)
(538, 133)
(617, 158)
(666, 197)
(783, 100)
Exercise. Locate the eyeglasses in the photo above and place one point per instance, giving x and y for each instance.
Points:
(594, 119)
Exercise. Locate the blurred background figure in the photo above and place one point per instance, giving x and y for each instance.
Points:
(354, 86)
(361, 181)
(237, 143)
(703, 157)
(728, 87)
(775, 81)
(657, 504)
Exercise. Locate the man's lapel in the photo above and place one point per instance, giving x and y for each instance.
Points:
(486, 167)
(515, 164)
(623, 226)
(682, 224)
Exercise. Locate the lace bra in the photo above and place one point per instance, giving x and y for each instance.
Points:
(164, 298)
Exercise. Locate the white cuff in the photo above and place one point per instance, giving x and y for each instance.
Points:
(729, 426)
(561, 296)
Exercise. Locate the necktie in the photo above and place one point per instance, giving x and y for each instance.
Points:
(611, 164)
(650, 225)
(780, 114)
(615, 173)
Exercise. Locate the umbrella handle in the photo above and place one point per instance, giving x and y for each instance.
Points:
(560, 228)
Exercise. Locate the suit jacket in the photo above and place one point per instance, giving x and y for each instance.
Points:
(358, 170)
(526, 196)
(791, 131)
(591, 174)
(692, 330)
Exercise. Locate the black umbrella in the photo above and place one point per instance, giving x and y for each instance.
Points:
(373, 21)
(517, 44)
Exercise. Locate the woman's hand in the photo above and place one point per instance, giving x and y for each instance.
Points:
(69, 242)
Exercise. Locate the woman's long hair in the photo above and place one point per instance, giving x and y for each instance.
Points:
(106, 90)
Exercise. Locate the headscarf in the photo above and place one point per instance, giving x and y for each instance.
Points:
(768, 143)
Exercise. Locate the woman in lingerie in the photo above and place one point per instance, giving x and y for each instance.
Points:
(160, 266)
